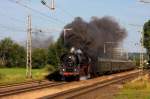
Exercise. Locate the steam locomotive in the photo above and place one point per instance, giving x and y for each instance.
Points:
(76, 64)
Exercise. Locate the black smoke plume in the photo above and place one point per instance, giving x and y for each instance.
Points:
(40, 40)
(91, 36)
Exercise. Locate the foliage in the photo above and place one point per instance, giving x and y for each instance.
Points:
(52, 55)
(49, 68)
(55, 51)
(39, 57)
(136, 57)
(11, 54)
(146, 30)
(14, 55)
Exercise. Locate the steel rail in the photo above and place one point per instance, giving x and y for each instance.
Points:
(69, 94)
(28, 87)
(21, 83)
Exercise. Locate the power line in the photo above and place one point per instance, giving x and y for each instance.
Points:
(65, 11)
(13, 18)
(58, 6)
(17, 20)
(37, 11)
(35, 29)
(12, 28)
(39, 30)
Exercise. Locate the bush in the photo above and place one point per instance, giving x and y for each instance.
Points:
(50, 68)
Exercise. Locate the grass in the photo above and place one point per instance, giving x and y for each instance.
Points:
(16, 75)
(137, 89)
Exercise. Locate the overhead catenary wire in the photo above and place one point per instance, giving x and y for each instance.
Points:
(65, 11)
(42, 14)
(34, 30)
(39, 12)
(17, 29)
(62, 10)
(39, 30)
(12, 18)
(12, 28)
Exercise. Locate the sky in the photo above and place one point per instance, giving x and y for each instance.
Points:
(130, 14)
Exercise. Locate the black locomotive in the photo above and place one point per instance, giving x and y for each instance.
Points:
(76, 64)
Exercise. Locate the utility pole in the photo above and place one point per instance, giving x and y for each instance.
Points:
(141, 48)
(141, 54)
(27, 45)
(29, 49)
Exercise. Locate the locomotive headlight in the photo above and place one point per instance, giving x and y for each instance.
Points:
(75, 70)
(63, 69)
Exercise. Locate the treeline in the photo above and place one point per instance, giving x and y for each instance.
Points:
(13, 54)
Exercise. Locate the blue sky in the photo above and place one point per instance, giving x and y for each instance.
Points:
(13, 17)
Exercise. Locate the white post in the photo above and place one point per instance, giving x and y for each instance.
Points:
(30, 46)
(27, 56)
(127, 55)
(104, 48)
(141, 55)
(29, 49)
(52, 5)
(68, 29)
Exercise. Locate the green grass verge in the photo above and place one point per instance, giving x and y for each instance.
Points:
(16, 75)
(138, 89)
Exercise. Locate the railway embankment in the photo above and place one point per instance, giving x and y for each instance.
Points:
(138, 88)
(81, 87)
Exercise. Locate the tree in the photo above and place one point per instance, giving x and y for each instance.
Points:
(146, 30)
(4, 49)
(11, 54)
(52, 55)
(39, 57)
(55, 50)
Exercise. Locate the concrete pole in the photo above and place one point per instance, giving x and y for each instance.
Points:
(52, 5)
(141, 54)
(30, 46)
(27, 45)
(127, 55)
(29, 50)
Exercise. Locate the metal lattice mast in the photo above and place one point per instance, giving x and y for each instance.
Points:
(30, 47)
(29, 50)
(27, 45)
(141, 54)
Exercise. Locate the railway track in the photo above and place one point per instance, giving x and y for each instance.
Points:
(21, 83)
(17, 88)
(76, 92)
